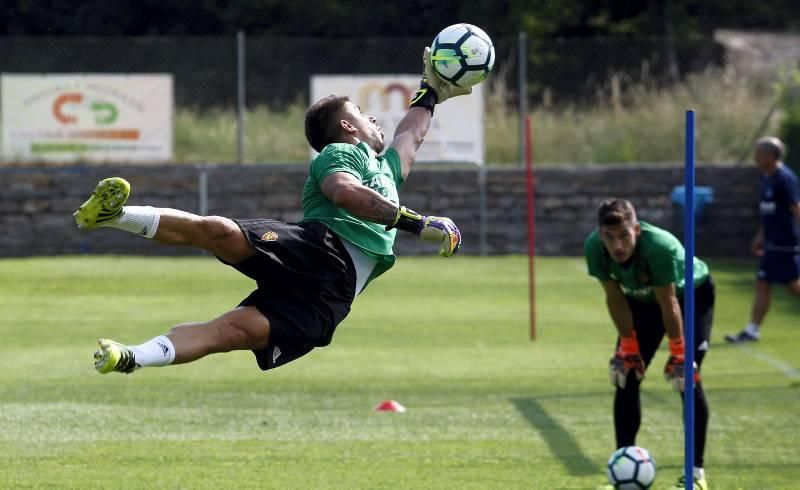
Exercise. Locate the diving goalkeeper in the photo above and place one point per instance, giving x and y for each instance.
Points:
(307, 274)
(641, 270)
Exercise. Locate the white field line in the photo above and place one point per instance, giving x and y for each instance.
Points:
(788, 370)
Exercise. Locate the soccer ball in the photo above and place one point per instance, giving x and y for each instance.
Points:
(462, 54)
(631, 468)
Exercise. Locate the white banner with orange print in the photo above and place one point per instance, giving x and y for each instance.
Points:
(87, 117)
(456, 132)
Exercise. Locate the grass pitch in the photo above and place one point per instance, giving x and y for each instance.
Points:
(447, 338)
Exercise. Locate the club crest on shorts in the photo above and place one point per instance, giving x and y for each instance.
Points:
(269, 236)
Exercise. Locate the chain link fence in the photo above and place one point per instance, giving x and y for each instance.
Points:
(591, 100)
(618, 100)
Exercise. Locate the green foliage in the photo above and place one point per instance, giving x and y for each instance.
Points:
(354, 18)
(788, 89)
(486, 407)
(271, 136)
(643, 123)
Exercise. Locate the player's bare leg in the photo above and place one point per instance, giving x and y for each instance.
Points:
(794, 288)
(761, 302)
(244, 328)
(218, 235)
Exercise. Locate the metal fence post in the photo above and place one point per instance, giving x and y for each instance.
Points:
(202, 191)
(483, 210)
(240, 97)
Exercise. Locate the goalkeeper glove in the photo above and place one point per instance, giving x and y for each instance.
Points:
(626, 359)
(673, 371)
(429, 228)
(432, 89)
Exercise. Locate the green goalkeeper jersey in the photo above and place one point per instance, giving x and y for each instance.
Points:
(382, 174)
(658, 260)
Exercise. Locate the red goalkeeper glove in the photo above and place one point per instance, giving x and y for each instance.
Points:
(626, 359)
(673, 371)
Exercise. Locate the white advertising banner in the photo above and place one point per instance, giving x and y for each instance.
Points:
(456, 132)
(87, 117)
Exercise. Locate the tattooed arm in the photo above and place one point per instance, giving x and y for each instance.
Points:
(346, 191)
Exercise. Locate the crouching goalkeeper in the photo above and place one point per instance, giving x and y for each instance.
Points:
(641, 269)
(308, 273)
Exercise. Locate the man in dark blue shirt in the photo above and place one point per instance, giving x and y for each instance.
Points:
(776, 241)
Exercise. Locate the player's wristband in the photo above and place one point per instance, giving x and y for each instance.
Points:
(677, 347)
(629, 345)
(425, 96)
(407, 220)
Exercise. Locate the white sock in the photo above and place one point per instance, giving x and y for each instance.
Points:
(752, 329)
(142, 220)
(158, 351)
(699, 473)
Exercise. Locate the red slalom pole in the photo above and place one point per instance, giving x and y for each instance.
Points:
(530, 185)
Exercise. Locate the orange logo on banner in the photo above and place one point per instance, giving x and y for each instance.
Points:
(58, 105)
(384, 91)
(105, 113)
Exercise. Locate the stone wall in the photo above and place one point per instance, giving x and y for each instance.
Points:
(36, 203)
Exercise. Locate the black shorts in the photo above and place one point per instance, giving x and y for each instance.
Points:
(779, 267)
(649, 325)
(306, 284)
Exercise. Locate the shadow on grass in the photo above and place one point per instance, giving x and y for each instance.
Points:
(562, 444)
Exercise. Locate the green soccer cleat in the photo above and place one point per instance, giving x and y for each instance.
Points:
(105, 203)
(114, 356)
(699, 484)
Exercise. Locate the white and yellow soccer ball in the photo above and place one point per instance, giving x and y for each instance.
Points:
(462, 54)
(631, 468)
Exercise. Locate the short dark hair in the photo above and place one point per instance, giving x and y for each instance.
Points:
(616, 212)
(320, 117)
(772, 145)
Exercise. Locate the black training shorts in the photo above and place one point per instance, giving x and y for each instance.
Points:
(649, 326)
(779, 267)
(306, 284)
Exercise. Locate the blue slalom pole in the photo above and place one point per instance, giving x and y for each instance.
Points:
(688, 301)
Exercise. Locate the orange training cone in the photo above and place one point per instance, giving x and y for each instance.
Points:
(389, 406)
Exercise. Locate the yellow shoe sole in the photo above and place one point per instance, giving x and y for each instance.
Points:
(107, 357)
(105, 203)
